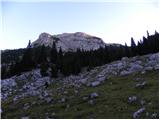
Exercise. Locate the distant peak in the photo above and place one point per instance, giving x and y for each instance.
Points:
(81, 34)
(44, 35)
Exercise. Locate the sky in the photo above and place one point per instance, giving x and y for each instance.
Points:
(115, 21)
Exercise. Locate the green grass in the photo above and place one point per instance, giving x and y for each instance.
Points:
(111, 103)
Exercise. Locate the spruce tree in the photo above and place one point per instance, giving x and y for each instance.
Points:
(54, 53)
(133, 47)
(29, 44)
(54, 71)
(43, 69)
(127, 51)
(27, 61)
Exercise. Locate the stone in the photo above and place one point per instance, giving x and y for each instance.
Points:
(124, 58)
(101, 79)
(149, 103)
(63, 100)
(147, 114)
(120, 65)
(132, 99)
(15, 98)
(26, 106)
(91, 102)
(141, 85)
(95, 83)
(65, 92)
(152, 63)
(143, 102)
(94, 95)
(156, 67)
(135, 67)
(83, 81)
(85, 98)
(53, 114)
(149, 68)
(138, 79)
(45, 94)
(48, 100)
(143, 72)
(136, 114)
(26, 117)
(68, 106)
(154, 116)
(154, 56)
(124, 72)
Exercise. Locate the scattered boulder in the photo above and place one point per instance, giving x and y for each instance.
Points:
(142, 102)
(138, 79)
(138, 112)
(85, 98)
(154, 57)
(154, 116)
(63, 100)
(143, 72)
(147, 114)
(132, 99)
(48, 100)
(95, 83)
(94, 95)
(124, 58)
(141, 85)
(135, 67)
(124, 72)
(91, 102)
(76, 91)
(101, 78)
(26, 106)
(149, 68)
(156, 67)
(53, 114)
(83, 81)
(26, 117)
(65, 92)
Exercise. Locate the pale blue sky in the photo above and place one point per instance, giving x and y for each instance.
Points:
(114, 22)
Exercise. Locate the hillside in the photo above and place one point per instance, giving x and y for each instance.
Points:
(127, 88)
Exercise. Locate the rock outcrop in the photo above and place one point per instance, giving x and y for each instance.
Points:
(70, 41)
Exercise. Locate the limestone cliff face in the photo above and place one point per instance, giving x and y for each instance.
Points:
(70, 41)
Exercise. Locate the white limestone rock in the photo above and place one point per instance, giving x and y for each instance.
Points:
(95, 83)
(70, 41)
(138, 112)
(94, 95)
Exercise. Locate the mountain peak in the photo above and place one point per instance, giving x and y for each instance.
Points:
(70, 41)
(44, 35)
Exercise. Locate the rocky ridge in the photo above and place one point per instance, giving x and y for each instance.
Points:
(70, 41)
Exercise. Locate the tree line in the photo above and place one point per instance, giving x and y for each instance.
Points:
(54, 63)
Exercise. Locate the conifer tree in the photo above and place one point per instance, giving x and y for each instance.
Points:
(133, 47)
(127, 52)
(54, 53)
(54, 71)
(43, 69)
(29, 44)
(27, 60)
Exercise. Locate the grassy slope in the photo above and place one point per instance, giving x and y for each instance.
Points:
(111, 103)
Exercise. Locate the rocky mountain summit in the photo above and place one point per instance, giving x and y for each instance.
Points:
(62, 90)
(70, 41)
